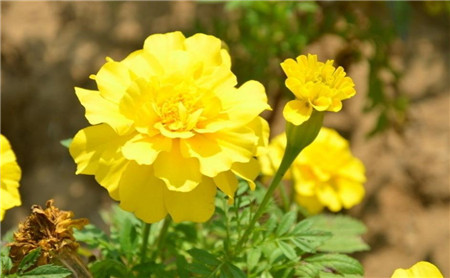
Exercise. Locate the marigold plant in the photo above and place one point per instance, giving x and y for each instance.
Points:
(10, 177)
(325, 174)
(316, 86)
(421, 269)
(169, 125)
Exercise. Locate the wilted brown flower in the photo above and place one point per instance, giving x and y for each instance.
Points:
(51, 229)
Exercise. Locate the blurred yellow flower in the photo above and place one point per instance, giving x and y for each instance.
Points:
(316, 85)
(169, 126)
(419, 270)
(10, 176)
(325, 174)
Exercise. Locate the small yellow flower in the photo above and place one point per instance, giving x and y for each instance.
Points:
(169, 126)
(10, 176)
(316, 85)
(419, 270)
(325, 174)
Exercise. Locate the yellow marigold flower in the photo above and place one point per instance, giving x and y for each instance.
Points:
(10, 176)
(325, 174)
(419, 270)
(316, 85)
(51, 229)
(169, 126)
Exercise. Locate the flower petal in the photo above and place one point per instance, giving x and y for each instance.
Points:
(196, 205)
(350, 192)
(113, 79)
(228, 183)
(297, 112)
(179, 173)
(100, 110)
(91, 143)
(144, 149)
(142, 193)
(328, 196)
(247, 171)
(109, 172)
(162, 46)
(244, 104)
(217, 152)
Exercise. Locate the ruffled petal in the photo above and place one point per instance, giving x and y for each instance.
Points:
(217, 152)
(244, 104)
(161, 46)
(142, 193)
(247, 171)
(329, 197)
(297, 112)
(228, 183)
(100, 110)
(179, 173)
(109, 172)
(113, 79)
(196, 205)
(92, 143)
(350, 192)
(144, 149)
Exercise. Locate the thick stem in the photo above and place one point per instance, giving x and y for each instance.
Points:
(145, 234)
(286, 201)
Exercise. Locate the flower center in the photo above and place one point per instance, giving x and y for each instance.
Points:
(180, 112)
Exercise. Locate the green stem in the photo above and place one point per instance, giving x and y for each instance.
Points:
(284, 166)
(145, 234)
(162, 237)
(284, 198)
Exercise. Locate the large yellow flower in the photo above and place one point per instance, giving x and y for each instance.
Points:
(10, 176)
(316, 85)
(419, 270)
(169, 126)
(325, 174)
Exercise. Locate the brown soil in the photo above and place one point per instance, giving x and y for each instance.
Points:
(47, 48)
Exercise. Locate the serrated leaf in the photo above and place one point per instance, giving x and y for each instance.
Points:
(66, 142)
(204, 257)
(287, 250)
(286, 222)
(107, 268)
(48, 271)
(91, 235)
(346, 233)
(336, 263)
(309, 241)
(29, 260)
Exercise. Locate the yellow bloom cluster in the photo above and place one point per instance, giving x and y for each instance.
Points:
(419, 270)
(169, 126)
(10, 176)
(316, 85)
(325, 173)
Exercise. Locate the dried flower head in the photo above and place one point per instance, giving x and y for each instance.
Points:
(51, 229)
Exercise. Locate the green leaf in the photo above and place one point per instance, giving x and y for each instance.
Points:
(286, 222)
(233, 271)
(309, 241)
(346, 233)
(48, 271)
(287, 250)
(91, 235)
(66, 142)
(336, 263)
(107, 268)
(253, 256)
(204, 257)
(29, 260)
(6, 262)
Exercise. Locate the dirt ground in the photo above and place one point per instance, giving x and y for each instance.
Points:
(47, 48)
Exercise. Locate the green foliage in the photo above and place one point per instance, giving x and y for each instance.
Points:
(25, 267)
(346, 233)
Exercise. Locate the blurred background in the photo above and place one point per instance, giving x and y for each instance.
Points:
(398, 123)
